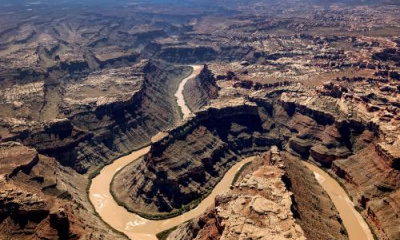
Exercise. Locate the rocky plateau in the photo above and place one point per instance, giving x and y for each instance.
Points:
(83, 84)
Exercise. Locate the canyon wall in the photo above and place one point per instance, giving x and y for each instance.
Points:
(41, 200)
(312, 207)
(201, 90)
(186, 54)
(92, 130)
(365, 162)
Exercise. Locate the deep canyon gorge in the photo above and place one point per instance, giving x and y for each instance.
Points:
(206, 120)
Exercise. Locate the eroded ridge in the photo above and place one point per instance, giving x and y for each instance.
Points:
(259, 205)
(318, 79)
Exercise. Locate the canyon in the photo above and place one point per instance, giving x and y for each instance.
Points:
(235, 114)
(199, 119)
(137, 227)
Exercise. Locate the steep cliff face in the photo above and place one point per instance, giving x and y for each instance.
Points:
(369, 171)
(39, 199)
(120, 128)
(375, 187)
(312, 207)
(106, 115)
(24, 209)
(188, 54)
(201, 90)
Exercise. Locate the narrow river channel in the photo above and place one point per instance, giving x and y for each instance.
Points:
(179, 94)
(354, 223)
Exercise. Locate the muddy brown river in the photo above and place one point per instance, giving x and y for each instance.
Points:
(138, 228)
(355, 225)
(134, 226)
(179, 94)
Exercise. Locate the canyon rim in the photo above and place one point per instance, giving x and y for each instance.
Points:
(181, 120)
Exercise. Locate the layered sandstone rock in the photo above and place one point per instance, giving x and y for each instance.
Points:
(25, 214)
(24, 209)
(201, 90)
(15, 157)
(58, 95)
(110, 111)
(259, 206)
(39, 199)
(312, 207)
(374, 186)
(183, 53)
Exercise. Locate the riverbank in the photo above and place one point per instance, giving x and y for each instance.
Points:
(355, 224)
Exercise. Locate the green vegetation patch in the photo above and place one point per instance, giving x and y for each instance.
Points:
(164, 234)
(239, 173)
